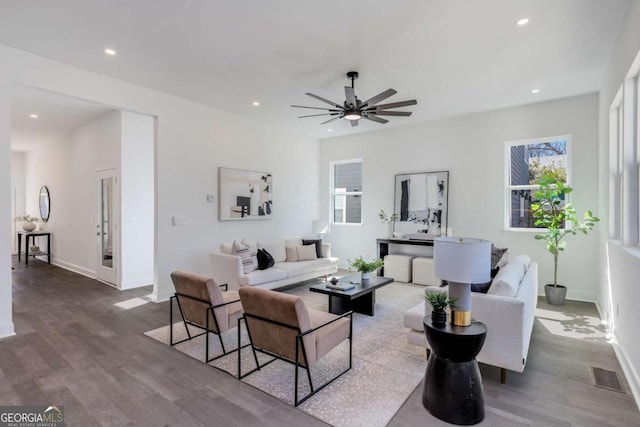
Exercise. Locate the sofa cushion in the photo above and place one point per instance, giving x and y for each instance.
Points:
(507, 281)
(258, 277)
(292, 254)
(297, 241)
(317, 242)
(265, 260)
(306, 252)
(413, 318)
(226, 248)
(248, 262)
(276, 248)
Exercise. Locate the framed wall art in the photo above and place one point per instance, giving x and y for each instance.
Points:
(244, 195)
(420, 201)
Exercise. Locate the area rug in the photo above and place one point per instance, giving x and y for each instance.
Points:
(385, 371)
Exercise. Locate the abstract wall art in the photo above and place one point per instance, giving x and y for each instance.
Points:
(244, 195)
(420, 202)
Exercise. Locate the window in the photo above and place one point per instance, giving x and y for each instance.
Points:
(616, 166)
(526, 162)
(346, 192)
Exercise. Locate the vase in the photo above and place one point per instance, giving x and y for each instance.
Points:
(365, 277)
(28, 226)
(439, 318)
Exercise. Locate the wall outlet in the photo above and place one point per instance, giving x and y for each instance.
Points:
(180, 220)
(211, 198)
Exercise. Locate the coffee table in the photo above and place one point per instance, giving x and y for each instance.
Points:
(361, 299)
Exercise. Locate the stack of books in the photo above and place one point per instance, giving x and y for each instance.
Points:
(340, 286)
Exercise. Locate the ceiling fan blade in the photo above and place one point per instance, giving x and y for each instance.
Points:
(350, 94)
(323, 100)
(379, 97)
(330, 120)
(313, 108)
(391, 113)
(392, 105)
(354, 123)
(374, 118)
(316, 115)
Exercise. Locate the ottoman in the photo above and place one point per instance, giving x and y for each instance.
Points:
(398, 267)
(423, 272)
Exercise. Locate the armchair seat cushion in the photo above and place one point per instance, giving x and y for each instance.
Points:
(328, 337)
(234, 309)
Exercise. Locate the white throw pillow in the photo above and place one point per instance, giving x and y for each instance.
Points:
(276, 248)
(292, 254)
(226, 248)
(253, 250)
(507, 281)
(248, 264)
(306, 252)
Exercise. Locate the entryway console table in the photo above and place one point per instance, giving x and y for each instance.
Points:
(383, 247)
(31, 235)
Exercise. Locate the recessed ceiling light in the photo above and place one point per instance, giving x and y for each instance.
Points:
(110, 52)
(535, 91)
(255, 103)
(34, 116)
(522, 21)
(329, 130)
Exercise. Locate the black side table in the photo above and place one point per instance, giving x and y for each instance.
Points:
(33, 235)
(452, 384)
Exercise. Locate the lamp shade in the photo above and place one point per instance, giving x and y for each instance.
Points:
(462, 260)
(320, 227)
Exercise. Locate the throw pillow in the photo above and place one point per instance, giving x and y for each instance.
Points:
(306, 253)
(496, 254)
(507, 281)
(480, 287)
(292, 254)
(276, 249)
(265, 260)
(245, 256)
(226, 249)
(317, 242)
(253, 250)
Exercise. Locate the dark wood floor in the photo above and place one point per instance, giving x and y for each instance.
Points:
(75, 348)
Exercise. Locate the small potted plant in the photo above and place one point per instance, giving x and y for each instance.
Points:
(365, 267)
(559, 220)
(28, 221)
(388, 220)
(439, 302)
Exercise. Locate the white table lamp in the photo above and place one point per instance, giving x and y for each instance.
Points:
(462, 261)
(320, 227)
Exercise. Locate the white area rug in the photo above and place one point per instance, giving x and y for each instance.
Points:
(385, 371)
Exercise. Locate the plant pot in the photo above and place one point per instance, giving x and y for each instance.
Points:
(555, 294)
(439, 318)
(28, 226)
(366, 275)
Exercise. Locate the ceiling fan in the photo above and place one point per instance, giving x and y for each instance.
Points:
(354, 109)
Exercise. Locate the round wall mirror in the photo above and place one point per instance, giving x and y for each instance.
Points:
(45, 203)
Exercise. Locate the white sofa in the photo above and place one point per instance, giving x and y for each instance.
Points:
(509, 319)
(227, 268)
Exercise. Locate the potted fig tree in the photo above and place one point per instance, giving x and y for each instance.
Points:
(552, 212)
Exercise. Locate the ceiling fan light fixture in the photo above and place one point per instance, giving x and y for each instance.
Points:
(352, 115)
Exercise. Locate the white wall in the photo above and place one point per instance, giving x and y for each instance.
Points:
(17, 194)
(192, 141)
(68, 166)
(472, 149)
(6, 322)
(619, 267)
(136, 200)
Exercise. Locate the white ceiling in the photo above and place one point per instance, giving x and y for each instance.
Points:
(57, 115)
(453, 56)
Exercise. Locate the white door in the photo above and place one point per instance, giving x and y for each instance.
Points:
(107, 227)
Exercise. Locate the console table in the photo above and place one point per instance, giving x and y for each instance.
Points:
(383, 247)
(31, 235)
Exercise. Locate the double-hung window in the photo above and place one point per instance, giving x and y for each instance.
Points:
(526, 161)
(346, 192)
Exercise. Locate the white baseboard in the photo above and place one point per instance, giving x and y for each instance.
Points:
(131, 284)
(160, 297)
(75, 268)
(7, 330)
(629, 372)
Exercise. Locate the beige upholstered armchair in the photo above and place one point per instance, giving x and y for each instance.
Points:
(203, 304)
(282, 326)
